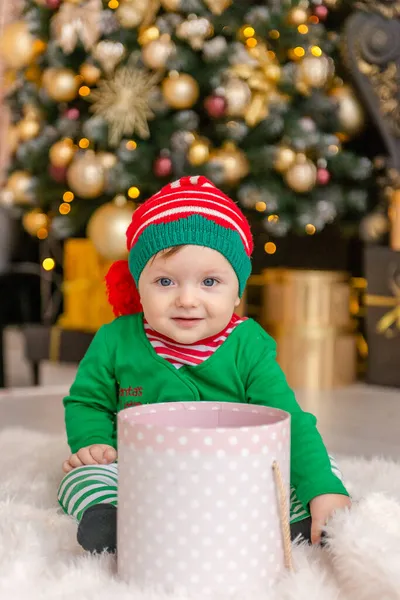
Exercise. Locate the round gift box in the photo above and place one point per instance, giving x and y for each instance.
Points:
(198, 505)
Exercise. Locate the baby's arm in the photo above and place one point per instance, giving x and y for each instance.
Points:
(91, 406)
(311, 471)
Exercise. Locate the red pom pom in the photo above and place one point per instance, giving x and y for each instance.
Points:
(121, 288)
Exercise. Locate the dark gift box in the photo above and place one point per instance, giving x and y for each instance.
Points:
(382, 266)
(54, 344)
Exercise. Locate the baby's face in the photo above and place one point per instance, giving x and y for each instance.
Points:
(190, 295)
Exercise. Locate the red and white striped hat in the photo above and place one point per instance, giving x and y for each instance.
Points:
(189, 211)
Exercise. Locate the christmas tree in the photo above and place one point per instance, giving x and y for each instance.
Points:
(111, 100)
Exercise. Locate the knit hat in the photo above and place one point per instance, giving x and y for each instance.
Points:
(188, 211)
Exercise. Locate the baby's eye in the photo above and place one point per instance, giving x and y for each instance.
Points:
(164, 281)
(209, 282)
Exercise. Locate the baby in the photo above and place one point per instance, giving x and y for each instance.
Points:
(178, 338)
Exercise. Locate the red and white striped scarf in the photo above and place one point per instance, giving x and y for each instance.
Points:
(191, 354)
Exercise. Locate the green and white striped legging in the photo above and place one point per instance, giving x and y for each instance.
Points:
(95, 484)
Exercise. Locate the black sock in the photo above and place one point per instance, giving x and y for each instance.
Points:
(97, 530)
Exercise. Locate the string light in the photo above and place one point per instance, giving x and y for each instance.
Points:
(261, 206)
(270, 248)
(84, 91)
(48, 264)
(39, 46)
(251, 42)
(64, 208)
(271, 54)
(274, 34)
(273, 219)
(248, 31)
(310, 229)
(133, 192)
(299, 52)
(131, 145)
(84, 143)
(68, 197)
(314, 19)
(303, 29)
(316, 51)
(113, 4)
(42, 233)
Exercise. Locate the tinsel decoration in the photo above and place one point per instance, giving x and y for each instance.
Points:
(123, 101)
(74, 23)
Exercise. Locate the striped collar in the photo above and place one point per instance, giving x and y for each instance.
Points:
(190, 354)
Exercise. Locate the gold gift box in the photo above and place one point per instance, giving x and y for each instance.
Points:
(308, 314)
(305, 298)
(86, 307)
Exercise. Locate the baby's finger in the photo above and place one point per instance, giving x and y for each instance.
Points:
(66, 467)
(85, 457)
(110, 455)
(75, 461)
(96, 452)
(316, 530)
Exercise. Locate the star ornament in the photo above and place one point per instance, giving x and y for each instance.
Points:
(123, 100)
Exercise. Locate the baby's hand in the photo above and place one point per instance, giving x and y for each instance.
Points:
(322, 508)
(97, 454)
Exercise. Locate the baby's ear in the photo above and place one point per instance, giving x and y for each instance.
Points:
(237, 302)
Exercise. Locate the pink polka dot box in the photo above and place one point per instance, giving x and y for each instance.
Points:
(201, 508)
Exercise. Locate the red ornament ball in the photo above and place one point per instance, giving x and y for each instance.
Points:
(59, 174)
(73, 114)
(323, 176)
(162, 166)
(53, 4)
(215, 106)
(321, 12)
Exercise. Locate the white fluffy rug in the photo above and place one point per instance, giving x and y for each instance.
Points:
(40, 559)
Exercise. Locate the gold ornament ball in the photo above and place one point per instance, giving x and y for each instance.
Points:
(108, 160)
(180, 91)
(17, 45)
(12, 138)
(156, 53)
(233, 161)
(374, 226)
(315, 71)
(199, 152)
(62, 85)
(34, 220)
(86, 176)
(19, 183)
(61, 153)
(351, 114)
(284, 159)
(107, 228)
(171, 5)
(28, 129)
(301, 176)
(237, 96)
(90, 73)
(297, 16)
(130, 14)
